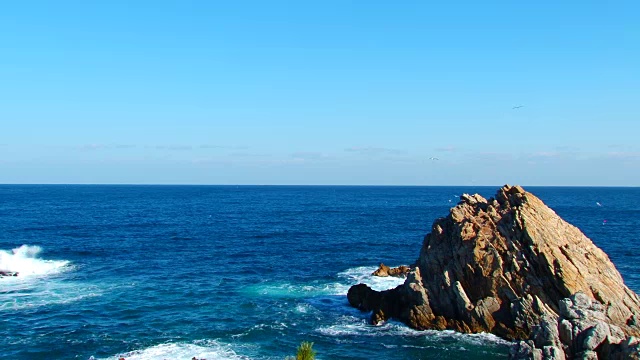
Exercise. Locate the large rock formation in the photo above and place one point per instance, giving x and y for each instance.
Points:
(503, 266)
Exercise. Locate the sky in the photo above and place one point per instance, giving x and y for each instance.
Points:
(320, 92)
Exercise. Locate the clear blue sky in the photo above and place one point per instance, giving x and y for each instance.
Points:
(320, 92)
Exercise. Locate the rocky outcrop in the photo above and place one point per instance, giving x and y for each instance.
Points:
(581, 331)
(504, 266)
(4, 273)
(384, 271)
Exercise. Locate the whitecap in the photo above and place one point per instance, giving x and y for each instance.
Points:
(362, 275)
(25, 261)
(304, 308)
(201, 349)
(38, 282)
(354, 326)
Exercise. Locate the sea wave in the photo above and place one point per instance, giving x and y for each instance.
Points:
(201, 349)
(356, 326)
(24, 260)
(362, 275)
(345, 280)
(29, 289)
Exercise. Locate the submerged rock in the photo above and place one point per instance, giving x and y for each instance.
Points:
(505, 266)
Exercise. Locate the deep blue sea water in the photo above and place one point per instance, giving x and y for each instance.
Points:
(248, 272)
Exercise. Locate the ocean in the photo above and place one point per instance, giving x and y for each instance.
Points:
(240, 272)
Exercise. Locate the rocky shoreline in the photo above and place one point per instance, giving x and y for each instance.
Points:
(511, 266)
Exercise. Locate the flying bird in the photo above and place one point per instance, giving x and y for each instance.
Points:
(433, 158)
(517, 107)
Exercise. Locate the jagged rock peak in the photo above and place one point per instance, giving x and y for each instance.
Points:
(503, 265)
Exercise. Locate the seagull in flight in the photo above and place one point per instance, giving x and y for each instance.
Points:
(433, 158)
(517, 107)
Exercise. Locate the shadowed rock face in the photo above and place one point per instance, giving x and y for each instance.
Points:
(502, 266)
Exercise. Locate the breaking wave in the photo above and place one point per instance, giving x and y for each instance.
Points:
(25, 262)
(355, 326)
(362, 275)
(201, 349)
(28, 289)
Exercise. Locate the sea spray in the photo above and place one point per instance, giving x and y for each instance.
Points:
(30, 289)
(24, 260)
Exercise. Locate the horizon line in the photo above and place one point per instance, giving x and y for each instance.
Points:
(309, 185)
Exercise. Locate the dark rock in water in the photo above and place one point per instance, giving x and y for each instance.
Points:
(384, 271)
(4, 273)
(507, 266)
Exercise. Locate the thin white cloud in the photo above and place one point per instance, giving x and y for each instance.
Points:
(546, 154)
(248, 155)
(374, 150)
(211, 146)
(624, 154)
(492, 155)
(174, 147)
(447, 149)
(617, 146)
(89, 147)
(567, 149)
(309, 155)
(92, 147)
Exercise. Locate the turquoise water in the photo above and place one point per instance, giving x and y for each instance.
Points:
(226, 272)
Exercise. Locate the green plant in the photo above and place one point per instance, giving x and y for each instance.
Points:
(305, 352)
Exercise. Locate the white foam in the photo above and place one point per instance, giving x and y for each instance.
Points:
(346, 279)
(202, 349)
(27, 293)
(28, 290)
(303, 308)
(349, 325)
(261, 327)
(362, 275)
(354, 326)
(472, 339)
(286, 290)
(24, 260)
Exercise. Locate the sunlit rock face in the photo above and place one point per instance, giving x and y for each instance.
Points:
(504, 266)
